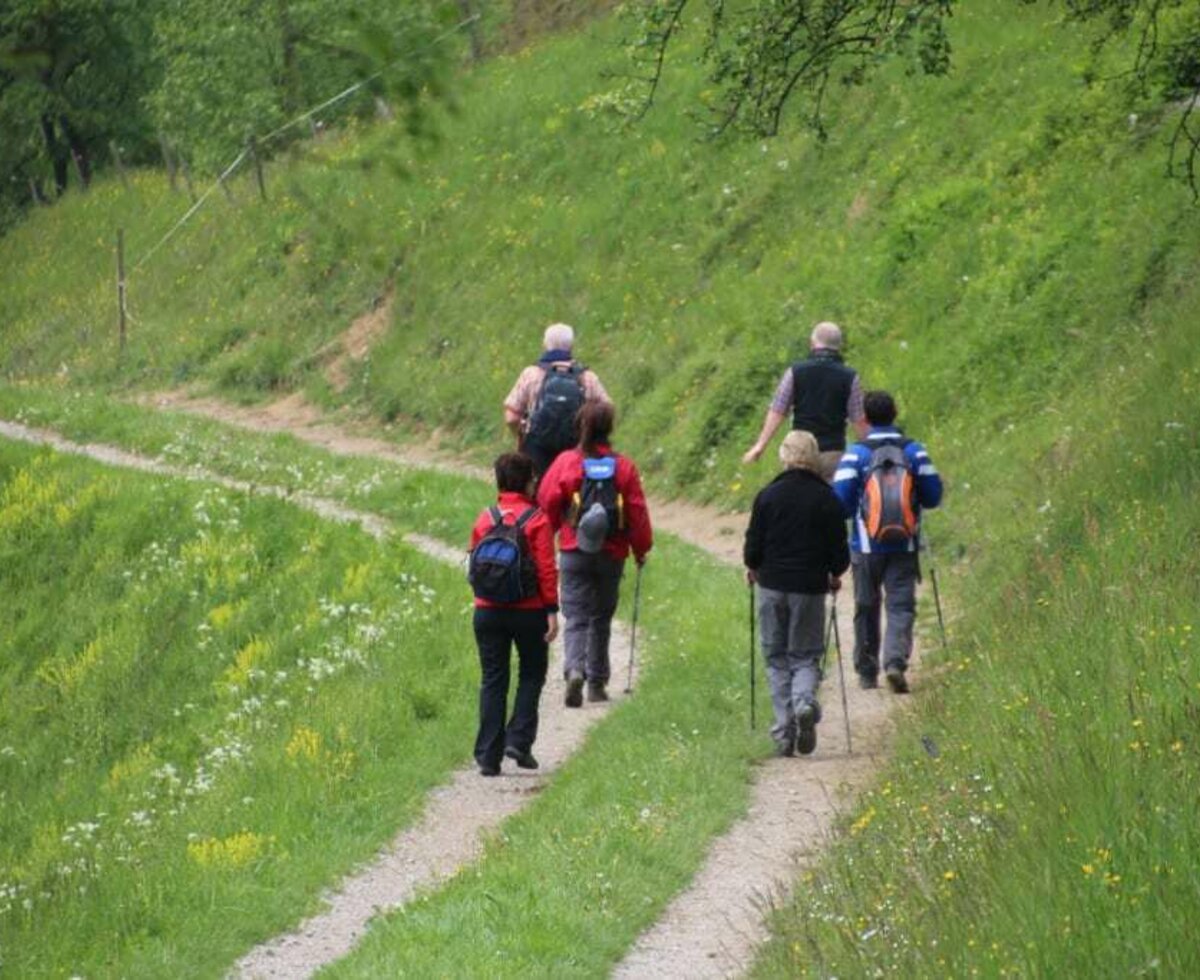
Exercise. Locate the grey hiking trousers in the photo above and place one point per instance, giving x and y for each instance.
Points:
(884, 581)
(792, 626)
(590, 586)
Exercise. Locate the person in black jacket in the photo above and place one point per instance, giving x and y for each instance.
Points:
(795, 553)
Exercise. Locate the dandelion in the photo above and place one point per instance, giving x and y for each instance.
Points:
(949, 875)
(1088, 870)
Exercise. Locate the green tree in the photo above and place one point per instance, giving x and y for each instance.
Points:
(73, 74)
(237, 67)
(768, 57)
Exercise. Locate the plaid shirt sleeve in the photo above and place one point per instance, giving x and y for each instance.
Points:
(523, 393)
(593, 390)
(784, 394)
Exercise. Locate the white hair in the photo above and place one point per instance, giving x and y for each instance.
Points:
(828, 335)
(559, 336)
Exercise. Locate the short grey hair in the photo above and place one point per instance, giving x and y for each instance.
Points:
(559, 336)
(828, 335)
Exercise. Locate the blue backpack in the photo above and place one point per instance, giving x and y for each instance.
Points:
(501, 567)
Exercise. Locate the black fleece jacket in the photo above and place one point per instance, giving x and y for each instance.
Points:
(797, 534)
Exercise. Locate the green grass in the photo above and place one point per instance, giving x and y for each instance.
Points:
(679, 751)
(1006, 255)
(1052, 830)
(210, 707)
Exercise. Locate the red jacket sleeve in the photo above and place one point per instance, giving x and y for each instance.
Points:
(551, 497)
(483, 524)
(637, 514)
(541, 545)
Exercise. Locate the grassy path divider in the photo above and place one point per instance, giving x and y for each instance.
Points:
(677, 759)
(457, 815)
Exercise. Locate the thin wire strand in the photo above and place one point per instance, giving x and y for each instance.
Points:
(187, 214)
(307, 114)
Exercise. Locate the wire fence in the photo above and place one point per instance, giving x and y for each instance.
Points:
(274, 134)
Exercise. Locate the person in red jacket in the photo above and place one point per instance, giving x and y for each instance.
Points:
(531, 623)
(593, 498)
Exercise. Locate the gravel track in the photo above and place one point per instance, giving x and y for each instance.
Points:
(714, 926)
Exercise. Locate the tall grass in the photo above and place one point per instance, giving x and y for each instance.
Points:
(1038, 817)
(1007, 257)
(211, 704)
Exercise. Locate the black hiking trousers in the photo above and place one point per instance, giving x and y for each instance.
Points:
(496, 631)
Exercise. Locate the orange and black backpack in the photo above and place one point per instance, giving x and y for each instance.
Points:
(889, 510)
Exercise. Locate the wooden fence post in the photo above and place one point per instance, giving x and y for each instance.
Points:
(252, 150)
(118, 162)
(121, 285)
(168, 161)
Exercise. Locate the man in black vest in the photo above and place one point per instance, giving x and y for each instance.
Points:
(822, 393)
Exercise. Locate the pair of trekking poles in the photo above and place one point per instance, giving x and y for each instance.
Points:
(831, 629)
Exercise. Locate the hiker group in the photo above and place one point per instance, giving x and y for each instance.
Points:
(566, 481)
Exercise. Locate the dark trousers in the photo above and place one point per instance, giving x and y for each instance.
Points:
(884, 581)
(542, 458)
(496, 630)
(591, 586)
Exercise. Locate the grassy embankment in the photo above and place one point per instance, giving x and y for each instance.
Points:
(210, 702)
(627, 822)
(1009, 258)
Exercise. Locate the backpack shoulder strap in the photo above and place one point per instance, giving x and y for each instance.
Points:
(527, 515)
(497, 515)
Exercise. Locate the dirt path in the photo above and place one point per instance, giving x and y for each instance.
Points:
(457, 816)
(714, 926)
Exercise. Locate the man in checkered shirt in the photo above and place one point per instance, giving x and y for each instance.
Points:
(821, 393)
(521, 402)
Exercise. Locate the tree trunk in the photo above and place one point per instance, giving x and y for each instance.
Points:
(468, 10)
(288, 38)
(60, 155)
(79, 151)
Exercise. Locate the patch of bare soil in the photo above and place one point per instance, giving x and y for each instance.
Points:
(356, 342)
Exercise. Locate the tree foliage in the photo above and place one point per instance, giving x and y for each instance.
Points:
(82, 79)
(239, 67)
(72, 77)
(766, 58)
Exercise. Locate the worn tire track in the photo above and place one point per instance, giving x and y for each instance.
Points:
(714, 926)
(457, 817)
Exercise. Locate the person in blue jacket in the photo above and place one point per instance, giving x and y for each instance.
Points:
(885, 572)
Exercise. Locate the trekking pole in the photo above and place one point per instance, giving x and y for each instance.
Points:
(637, 601)
(837, 639)
(937, 598)
(751, 585)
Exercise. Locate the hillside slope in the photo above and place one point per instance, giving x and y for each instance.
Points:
(1006, 255)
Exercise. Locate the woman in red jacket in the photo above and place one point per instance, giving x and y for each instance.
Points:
(531, 623)
(593, 498)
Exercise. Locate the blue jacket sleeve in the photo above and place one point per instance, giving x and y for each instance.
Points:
(929, 483)
(847, 481)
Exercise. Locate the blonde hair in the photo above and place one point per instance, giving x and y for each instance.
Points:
(798, 451)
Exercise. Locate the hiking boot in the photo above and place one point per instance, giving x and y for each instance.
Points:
(523, 759)
(596, 691)
(574, 698)
(785, 748)
(868, 682)
(806, 729)
(896, 679)
(489, 769)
